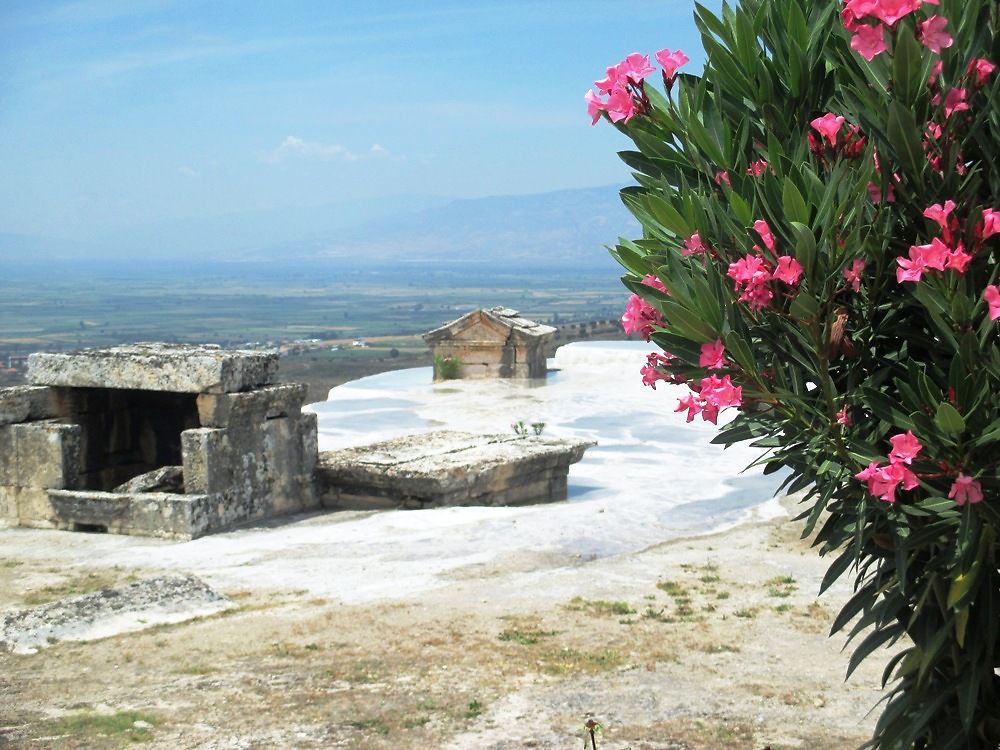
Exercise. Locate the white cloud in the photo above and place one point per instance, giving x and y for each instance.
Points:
(294, 147)
(187, 171)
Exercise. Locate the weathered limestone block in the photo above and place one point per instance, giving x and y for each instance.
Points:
(39, 454)
(33, 507)
(208, 461)
(271, 402)
(146, 514)
(8, 455)
(309, 436)
(165, 479)
(24, 403)
(448, 468)
(8, 505)
(156, 367)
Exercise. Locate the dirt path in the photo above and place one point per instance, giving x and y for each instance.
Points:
(713, 642)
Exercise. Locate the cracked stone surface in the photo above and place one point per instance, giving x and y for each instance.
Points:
(122, 609)
(451, 468)
(179, 368)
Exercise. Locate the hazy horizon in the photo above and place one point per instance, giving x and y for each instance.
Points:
(119, 115)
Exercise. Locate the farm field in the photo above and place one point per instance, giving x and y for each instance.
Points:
(313, 315)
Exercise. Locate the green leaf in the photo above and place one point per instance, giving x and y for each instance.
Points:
(949, 420)
(804, 306)
(905, 137)
(668, 216)
(962, 585)
(793, 203)
(805, 247)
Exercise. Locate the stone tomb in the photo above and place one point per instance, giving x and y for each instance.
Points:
(495, 343)
(174, 441)
(447, 468)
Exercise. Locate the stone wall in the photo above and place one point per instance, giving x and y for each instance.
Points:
(116, 440)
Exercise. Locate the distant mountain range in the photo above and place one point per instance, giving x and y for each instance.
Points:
(566, 226)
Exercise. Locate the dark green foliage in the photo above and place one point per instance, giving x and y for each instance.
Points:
(899, 356)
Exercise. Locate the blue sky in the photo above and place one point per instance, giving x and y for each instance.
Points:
(118, 113)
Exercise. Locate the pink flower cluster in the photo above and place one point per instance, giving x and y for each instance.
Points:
(884, 480)
(640, 316)
(850, 144)
(869, 39)
(655, 369)
(992, 297)
(946, 252)
(694, 246)
(620, 92)
(965, 490)
(752, 273)
(853, 274)
(713, 393)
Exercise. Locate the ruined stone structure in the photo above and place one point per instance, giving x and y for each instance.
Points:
(447, 468)
(495, 343)
(174, 441)
(182, 441)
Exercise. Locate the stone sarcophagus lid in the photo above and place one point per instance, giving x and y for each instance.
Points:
(447, 468)
(495, 343)
(154, 439)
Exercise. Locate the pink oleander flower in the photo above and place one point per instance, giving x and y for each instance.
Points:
(760, 227)
(853, 274)
(875, 193)
(828, 126)
(890, 11)
(869, 41)
(849, 20)
(720, 392)
(694, 246)
(958, 260)
(713, 355)
(641, 317)
(671, 61)
(692, 404)
(789, 270)
(757, 296)
(932, 34)
(905, 448)
(750, 269)
(654, 282)
(722, 177)
(620, 105)
(884, 480)
(982, 69)
(610, 81)
(966, 490)
(635, 67)
(991, 223)
(594, 106)
(992, 297)
(843, 418)
(954, 101)
(939, 214)
(651, 372)
(933, 256)
(757, 168)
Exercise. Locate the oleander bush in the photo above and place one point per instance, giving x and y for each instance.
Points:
(821, 227)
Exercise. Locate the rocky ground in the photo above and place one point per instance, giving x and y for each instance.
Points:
(711, 642)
